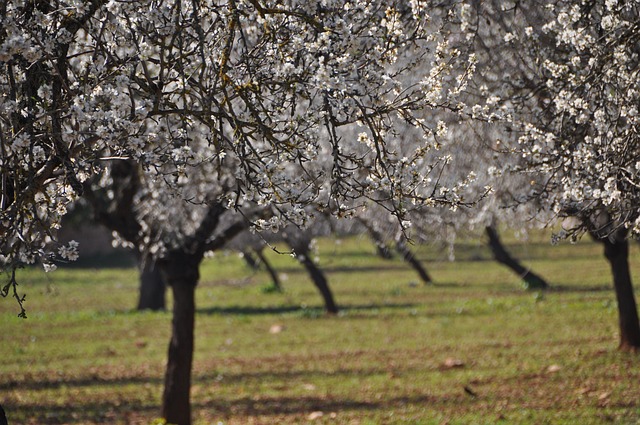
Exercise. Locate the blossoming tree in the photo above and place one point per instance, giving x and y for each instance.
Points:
(215, 106)
(569, 91)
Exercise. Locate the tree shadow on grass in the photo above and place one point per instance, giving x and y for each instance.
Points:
(80, 412)
(115, 410)
(40, 383)
(67, 410)
(295, 378)
(328, 268)
(112, 412)
(248, 406)
(580, 289)
(312, 311)
(270, 375)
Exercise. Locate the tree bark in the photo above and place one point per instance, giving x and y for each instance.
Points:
(251, 262)
(383, 250)
(381, 247)
(300, 245)
(500, 254)
(180, 271)
(320, 281)
(3, 417)
(275, 279)
(410, 258)
(616, 250)
(152, 287)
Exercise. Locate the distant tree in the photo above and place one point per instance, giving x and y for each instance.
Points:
(250, 244)
(379, 239)
(301, 244)
(502, 256)
(410, 257)
(248, 258)
(374, 229)
(114, 200)
(275, 277)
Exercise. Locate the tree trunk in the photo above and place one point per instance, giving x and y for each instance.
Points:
(3, 417)
(152, 288)
(275, 279)
(320, 281)
(300, 245)
(410, 258)
(251, 262)
(616, 251)
(180, 271)
(500, 254)
(381, 247)
(383, 250)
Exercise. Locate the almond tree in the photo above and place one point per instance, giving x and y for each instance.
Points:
(249, 244)
(586, 142)
(219, 105)
(301, 243)
(569, 93)
(383, 231)
(174, 236)
(472, 153)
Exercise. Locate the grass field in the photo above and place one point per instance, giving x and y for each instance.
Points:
(473, 348)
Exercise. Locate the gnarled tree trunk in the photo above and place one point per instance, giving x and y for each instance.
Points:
(500, 254)
(180, 271)
(616, 250)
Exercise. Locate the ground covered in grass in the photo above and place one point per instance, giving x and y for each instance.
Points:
(473, 348)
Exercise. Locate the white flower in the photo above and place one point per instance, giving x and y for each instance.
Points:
(608, 22)
(441, 130)
(20, 142)
(509, 37)
(49, 267)
(69, 252)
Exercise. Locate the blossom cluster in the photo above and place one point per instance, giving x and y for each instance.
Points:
(586, 141)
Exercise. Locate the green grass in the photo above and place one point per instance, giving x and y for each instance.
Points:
(399, 353)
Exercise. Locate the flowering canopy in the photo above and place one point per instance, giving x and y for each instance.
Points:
(569, 90)
(590, 142)
(234, 101)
